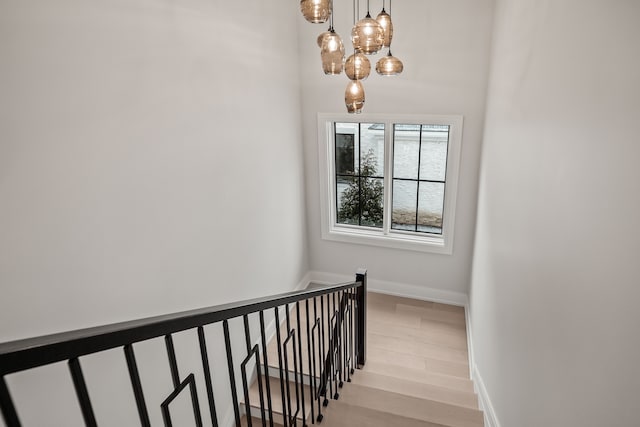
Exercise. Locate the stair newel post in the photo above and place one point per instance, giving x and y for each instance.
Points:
(361, 296)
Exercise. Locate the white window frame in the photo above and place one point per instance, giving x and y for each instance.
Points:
(387, 237)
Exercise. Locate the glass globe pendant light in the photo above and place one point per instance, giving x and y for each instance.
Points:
(389, 65)
(384, 19)
(315, 11)
(357, 66)
(367, 35)
(331, 49)
(354, 97)
(332, 53)
(321, 37)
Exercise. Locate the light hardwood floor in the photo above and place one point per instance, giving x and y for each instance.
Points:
(417, 369)
(416, 373)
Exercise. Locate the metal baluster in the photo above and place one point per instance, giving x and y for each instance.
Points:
(6, 404)
(330, 344)
(345, 310)
(266, 369)
(361, 276)
(279, 342)
(173, 363)
(311, 377)
(330, 350)
(82, 393)
(335, 348)
(351, 333)
(304, 412)
(207, 375)
(316, 389)
(291, 335)
(247, 332)
(137, 385)
(323, 353)
(245, 385)
(286, 365)
(232, 377)
(164, 406)
(343, 333)
(194, 401)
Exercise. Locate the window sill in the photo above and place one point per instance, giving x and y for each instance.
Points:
(372, 237)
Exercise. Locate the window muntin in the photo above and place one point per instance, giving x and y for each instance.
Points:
(419, 170)
(420, 219)
(359, 173)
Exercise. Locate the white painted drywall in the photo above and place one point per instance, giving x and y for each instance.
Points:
(444, 47)
(150, 162)
(554, 298)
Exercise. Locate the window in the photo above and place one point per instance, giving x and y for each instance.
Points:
(390, 180)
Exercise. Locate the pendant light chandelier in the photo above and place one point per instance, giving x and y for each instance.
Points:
(315, 11)
(387, 65)
(384, 19)
(331, 49)
(357, 66)
(368, 37)
(354, 97)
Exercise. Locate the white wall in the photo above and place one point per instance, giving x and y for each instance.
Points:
(554, 299)
(150, 159)
(444, 47)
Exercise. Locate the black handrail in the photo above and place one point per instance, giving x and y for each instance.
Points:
(30, 353)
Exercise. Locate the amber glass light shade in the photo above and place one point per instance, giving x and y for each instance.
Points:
(357, 66)
(321, 37)
(389, 65)
(384, 19)
(315, 11)
(354, 97)
(367, 35)
(332, 54)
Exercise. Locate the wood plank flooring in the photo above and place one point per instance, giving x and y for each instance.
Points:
(417, 369)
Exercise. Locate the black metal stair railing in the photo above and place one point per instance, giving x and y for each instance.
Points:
(323, 331)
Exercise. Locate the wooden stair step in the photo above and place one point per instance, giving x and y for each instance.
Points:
(455, 369)
(415, 312)
(422, 334)
(342, 414)
(256, 422)
(403, 372)
(416, 389)
(411, 407)
(412, 347)
(276, 400)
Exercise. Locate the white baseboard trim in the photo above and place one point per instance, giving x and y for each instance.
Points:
(304, 282)
(467, 319)
(394, 288)
(490, 418)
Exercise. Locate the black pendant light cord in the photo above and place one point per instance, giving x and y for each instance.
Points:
(331, 19)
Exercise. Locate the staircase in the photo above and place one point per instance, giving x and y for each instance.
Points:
(411, 360)
(416, 373)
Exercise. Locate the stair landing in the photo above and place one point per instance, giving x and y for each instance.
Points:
(417, 369)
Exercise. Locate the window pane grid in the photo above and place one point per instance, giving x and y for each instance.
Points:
(426, 215)
(359, 155)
